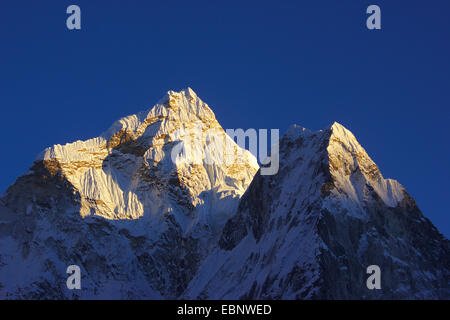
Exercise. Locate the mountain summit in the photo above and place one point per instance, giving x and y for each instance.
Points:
(311, 231)
(137, 217)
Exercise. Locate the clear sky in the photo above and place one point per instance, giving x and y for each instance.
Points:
(258, 64)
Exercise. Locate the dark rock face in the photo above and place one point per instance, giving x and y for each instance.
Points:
(412, 255)
(311, 231)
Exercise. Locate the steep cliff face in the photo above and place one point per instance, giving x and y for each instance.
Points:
(311, 231)
(137, 208)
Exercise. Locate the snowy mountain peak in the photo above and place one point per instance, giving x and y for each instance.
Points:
(150, 197)
(183, 106)
(344, 136)
(115, 173)
(187, 92)
(354, 173)
(348, 170)
(311, 231)
(295, 131)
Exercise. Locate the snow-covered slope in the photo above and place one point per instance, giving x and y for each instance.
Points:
(137, 208)
(311, 231)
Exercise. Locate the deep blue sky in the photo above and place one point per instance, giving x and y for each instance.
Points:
(258, 64)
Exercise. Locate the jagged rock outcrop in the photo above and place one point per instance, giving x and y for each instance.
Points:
(311, 231)
(137, 208)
